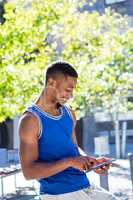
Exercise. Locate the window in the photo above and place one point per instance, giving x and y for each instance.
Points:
(113, 1)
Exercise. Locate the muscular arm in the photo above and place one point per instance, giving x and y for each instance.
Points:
(74, 139)
(31, 167)
(99, 160)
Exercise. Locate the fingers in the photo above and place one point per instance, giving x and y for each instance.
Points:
(101, 171)
(104, 169)
(89, 162)
(86, 166)
(82, 163)
(85, 163)
(102, 160)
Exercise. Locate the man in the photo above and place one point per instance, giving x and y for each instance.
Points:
(48, 145)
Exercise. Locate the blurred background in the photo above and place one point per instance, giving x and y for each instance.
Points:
(96, 37)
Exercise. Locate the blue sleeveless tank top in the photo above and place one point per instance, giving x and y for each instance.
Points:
(55, 143)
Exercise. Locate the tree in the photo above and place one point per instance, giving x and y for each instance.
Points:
(102, 51)
(24, 52)
(26, 47)
(36, 33)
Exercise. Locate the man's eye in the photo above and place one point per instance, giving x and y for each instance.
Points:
(68, 91)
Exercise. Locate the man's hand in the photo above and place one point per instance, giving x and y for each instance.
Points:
(83, 163)
(102, 170)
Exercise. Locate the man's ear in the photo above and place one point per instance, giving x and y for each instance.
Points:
(51, 82)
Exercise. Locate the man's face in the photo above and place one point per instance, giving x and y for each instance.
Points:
(64, 89)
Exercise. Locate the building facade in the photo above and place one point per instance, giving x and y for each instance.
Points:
(124, 7)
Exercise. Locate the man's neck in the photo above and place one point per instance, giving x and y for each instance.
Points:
(47, 103)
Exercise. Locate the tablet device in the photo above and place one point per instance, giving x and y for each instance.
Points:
(101, 164)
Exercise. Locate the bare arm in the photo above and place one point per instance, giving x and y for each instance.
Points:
(74, 138)
(102, 170)
(31, 167)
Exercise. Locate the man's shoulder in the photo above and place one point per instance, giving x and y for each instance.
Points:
(28, 118)
(28, 126)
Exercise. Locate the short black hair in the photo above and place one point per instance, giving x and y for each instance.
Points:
(58, 68)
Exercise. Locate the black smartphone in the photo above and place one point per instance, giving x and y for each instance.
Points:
(101, 164)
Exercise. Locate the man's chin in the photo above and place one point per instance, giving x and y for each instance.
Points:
(62, 102)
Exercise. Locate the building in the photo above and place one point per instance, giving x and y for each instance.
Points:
(124, 7)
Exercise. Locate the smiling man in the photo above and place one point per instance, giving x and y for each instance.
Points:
(48, 145)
